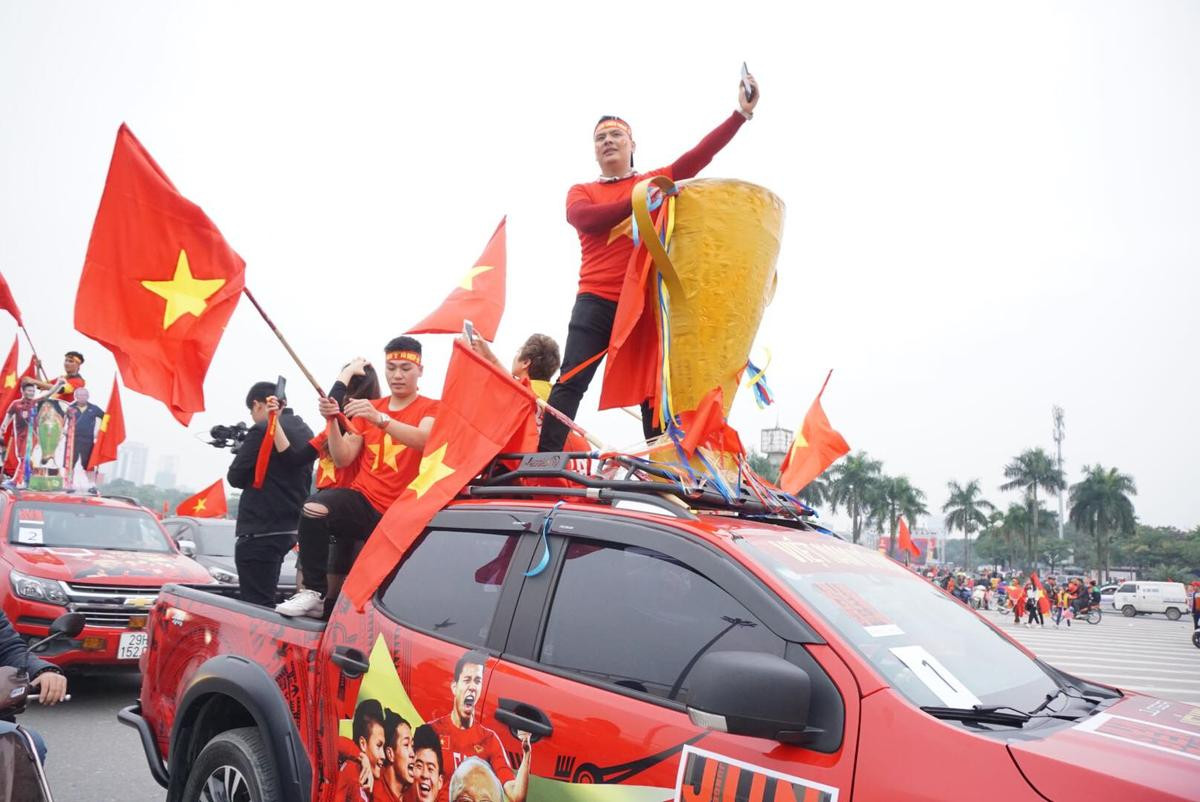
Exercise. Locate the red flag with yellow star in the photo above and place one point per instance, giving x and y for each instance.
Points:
(10, 384)
(159, 282)
(479, 296)
(817, 446)
(7, 302)
(904, 539)
(112, 431)
(481, 410)
(208, 503)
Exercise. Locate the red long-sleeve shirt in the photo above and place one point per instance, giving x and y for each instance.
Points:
(600, 212)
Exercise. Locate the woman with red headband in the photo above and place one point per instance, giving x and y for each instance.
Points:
(600, 212)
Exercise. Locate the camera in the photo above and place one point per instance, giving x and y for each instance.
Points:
(230, 437)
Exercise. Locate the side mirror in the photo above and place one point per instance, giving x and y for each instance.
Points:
(751, 693)
(67, 625)
(187, 548)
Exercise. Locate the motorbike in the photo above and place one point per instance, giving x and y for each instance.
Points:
(22, 776)
(1196, 638)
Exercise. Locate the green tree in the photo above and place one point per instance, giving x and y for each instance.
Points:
(815, 493)
(761, 465)
(1101, 506)
(851, 484)
(1030, 471)
(891, 497)
(1013, 528)
(967, 511)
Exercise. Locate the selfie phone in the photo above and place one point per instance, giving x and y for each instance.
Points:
(469, 330)
(280, 389)
(747, 89)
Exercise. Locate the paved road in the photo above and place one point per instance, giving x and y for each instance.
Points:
(92, 757)
(1147, 653)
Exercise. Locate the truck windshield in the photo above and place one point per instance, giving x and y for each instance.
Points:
(85, 526)
(928, 646)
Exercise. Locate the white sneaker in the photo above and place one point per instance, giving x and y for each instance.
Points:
(305, 602)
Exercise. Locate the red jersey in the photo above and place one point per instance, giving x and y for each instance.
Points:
(382, 792)
(328, 474)
(386, 466)
(67, 393)
(459, 744)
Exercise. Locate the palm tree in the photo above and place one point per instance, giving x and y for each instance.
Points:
(895, 496)
(1013, 526)
(1101, 505)
(815, 493)
(967, 512)
(850, 486)
(1030, 471)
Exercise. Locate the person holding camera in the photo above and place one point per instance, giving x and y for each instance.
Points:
(268, 516)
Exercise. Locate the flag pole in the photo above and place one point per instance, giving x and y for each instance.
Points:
(36, 359)
(573, 426)
(287, 346)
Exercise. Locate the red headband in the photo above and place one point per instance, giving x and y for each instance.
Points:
(406, 356)
(615, 122)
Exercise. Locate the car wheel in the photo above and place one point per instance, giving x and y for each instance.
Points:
(1128, 611)
(1173, 614)
(233, 767)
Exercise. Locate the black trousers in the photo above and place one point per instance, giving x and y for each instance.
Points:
(588, 334)
(258, 559)
(328, 545)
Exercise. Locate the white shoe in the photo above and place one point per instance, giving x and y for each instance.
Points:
(303, 603)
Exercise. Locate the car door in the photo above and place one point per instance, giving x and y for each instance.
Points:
(598, 661)
(411, 668)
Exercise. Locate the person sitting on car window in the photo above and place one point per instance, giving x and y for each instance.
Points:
(48, 681)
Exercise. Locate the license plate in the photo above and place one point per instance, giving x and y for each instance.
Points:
(131, 646)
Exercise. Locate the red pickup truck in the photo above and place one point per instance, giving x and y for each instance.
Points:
(104, 557)
(599, 641)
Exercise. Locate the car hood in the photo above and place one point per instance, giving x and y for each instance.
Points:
(1140, 748)
(103, 566)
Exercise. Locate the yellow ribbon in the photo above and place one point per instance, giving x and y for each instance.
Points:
(648, 234)
(750, 382)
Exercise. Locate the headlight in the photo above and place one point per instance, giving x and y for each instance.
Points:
(49, 591)
(222, 575)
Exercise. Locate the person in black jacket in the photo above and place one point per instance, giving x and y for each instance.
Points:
(267, 516)
(48, 682)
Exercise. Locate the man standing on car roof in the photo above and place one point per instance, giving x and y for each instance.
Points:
(600, 212)
(267, 516)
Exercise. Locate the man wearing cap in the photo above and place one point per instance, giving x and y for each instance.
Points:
(386, 438)
(600, 212)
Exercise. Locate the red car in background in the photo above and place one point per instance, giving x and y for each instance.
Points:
(107, 558)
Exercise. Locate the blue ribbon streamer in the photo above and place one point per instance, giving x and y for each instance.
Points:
(542, 563)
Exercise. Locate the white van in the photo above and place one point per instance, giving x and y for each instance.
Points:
(1132, 598)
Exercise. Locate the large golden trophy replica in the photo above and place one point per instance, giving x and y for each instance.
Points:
(718, 270)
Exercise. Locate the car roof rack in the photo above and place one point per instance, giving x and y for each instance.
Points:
(119, 497)
(643, 481)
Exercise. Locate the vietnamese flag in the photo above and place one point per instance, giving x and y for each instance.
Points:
(7, 302)
(481, 412)
(904, 539)
(208, 503)
(159, 282)
(10, 384)
(112, 431)
(479, 296)
(817, 446)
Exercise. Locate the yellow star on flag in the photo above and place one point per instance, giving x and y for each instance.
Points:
(433, 470)
(10, 381)
(104, 422)
(184, 293)
(390, 450)
(468, 281)
(621, 229)
(800, 442)
(199, 505)
(328, 469)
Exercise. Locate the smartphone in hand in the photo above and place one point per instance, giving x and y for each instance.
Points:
(280, 389)
(747, 88)
(469, 330)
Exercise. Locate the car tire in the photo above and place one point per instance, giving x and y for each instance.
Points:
(1128, 611)
(235, 766)
(1173, 614)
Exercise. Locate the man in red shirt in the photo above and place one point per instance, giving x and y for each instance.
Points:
(385, 443)
(600, 212)
(462, 736)
(71, 380)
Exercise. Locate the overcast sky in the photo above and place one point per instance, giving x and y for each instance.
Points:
(992, 208)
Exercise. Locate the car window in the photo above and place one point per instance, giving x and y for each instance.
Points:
(639, 619)
(214, 539)
(449, 583)
(86, 526)
(1128, 587)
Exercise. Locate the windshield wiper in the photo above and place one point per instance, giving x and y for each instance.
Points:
(980, 714)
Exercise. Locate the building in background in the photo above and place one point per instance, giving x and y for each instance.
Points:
(131, 462)
(168, 467)
(774, 443)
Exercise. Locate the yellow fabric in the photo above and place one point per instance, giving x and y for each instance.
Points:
(540, 388)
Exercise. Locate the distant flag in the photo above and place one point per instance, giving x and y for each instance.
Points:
(208, 503)
(817, 445)
(905, 541)
(112, 431)
(10, 385)
(479, 296)
(159, 281)
(7, 302)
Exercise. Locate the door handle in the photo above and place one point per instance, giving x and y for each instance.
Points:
(518, 716)
(352, 662)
